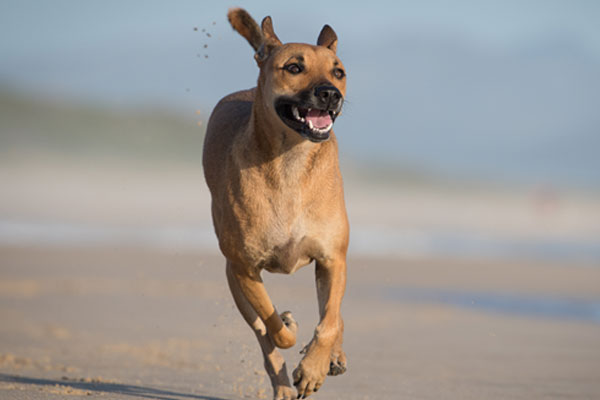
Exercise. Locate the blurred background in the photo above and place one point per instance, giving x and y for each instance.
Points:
(470, 150)
(473, 126)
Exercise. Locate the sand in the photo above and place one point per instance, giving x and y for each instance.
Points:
(110, 287)
(137, 322)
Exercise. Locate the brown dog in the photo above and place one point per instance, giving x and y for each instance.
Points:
(271, 163)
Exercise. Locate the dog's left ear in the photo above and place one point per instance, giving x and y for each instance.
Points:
(327, 38)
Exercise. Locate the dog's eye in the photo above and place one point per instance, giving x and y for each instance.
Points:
(293, 68)
(339, 73)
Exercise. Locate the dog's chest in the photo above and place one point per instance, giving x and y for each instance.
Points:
(287, 256)
(278, 216)
(286, 242)
(278, 232)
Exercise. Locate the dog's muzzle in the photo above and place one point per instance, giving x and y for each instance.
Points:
(313, 113)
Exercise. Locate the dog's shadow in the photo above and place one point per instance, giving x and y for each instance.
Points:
(106, 387)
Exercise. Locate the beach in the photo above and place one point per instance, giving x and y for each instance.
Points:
(111, 285)
(471, 179)
(141, 323)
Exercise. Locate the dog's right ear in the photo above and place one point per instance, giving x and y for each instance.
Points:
(262, 40)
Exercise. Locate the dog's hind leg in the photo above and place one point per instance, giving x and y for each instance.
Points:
(273, 360)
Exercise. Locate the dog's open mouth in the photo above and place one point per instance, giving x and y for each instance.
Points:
(312, 123)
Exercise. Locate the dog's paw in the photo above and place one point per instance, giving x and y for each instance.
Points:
(336, 367)
(337, 363)
(289, 321)
(283, 393)
(285, 335)
(309, 376)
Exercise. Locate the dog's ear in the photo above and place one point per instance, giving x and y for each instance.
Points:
(327, 38)
(246, 26)
(268, 32)
(270, 40)
(262, 40)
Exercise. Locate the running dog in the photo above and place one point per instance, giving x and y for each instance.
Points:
(271, 163)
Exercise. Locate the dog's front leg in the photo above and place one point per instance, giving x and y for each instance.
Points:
(273, 360)
(281, 329)
(324, 353)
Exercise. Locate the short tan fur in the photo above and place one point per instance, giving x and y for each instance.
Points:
(271, 164)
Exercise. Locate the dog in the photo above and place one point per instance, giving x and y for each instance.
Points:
(270, 161)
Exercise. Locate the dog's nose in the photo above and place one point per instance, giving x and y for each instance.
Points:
(329, 96)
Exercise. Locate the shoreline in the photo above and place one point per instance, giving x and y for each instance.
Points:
(372, 241)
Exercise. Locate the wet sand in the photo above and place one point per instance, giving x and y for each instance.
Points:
(126, 323)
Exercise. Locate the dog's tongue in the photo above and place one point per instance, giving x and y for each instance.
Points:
(320, 119)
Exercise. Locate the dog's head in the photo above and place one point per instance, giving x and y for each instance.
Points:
(301, 85)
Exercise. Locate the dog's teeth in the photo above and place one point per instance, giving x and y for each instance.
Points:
(321, 131)
(310, 124)
(296, 113)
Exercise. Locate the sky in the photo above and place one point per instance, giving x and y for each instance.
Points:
(498, 90)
